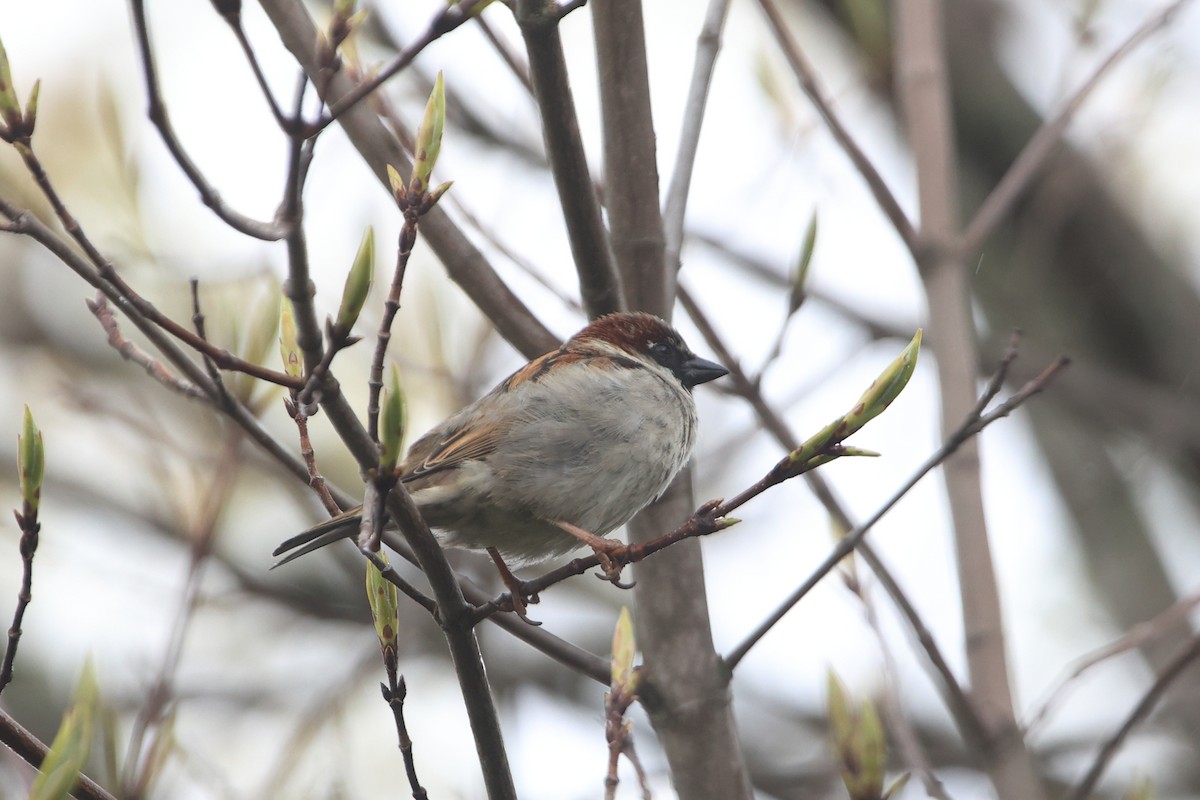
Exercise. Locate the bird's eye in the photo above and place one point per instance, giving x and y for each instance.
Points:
(662, 352)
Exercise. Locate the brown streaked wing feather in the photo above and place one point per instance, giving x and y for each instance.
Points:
(472, 442)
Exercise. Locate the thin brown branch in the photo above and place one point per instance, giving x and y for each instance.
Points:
(315, 479)
(410, 208)
(131, 352)
(1168, 674)
(29, 526)
(394, 695)
(223, 358)
(850, 542)
(234, 18)
(33, 751)
(965, 715)
(1132, 639)
(812, 89)
(1038, 150)
(157, 112)
(708, 45)
(449, 18)
(599, 284)
(148, 732)
(26, 224)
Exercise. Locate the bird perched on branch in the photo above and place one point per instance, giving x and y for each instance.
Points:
(563, 451)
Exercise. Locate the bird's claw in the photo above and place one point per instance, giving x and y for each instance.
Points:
(611, 568)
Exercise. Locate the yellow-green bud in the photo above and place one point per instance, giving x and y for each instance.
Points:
(429, 137)
(391, 423)
(624, 679)
(358, 283)
(289, 349)
(31, 461)
(800, 278)
(59, 772)
(385, 607)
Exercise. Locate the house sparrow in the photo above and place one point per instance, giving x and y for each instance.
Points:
(568, 448)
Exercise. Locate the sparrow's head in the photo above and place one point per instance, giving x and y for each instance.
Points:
(648, 338)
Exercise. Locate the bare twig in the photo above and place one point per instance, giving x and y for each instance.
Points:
(139, 771)
(157, 112)
(812, 89)
(315, 479)
(27, 521)
(394, 696)
(955, 697)
(131, 352)
(1132, 639)
(105, 269)
(1037, 151)
(969, 428)
(708, 44)
(449, 18)
(1168, 674)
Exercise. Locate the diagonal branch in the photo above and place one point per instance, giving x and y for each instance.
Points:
(1034, 157)
(812, 89)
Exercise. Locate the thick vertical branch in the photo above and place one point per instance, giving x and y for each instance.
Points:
(687, 695)
(630, 157)
(599, 285)
(925, 97)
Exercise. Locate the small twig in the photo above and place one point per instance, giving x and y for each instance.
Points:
(1133, 638)
(970, 427)
(393, 694)
(411, 209)
(812, 89)
(33, 751)
(234, 19)
(1169, 673)
(139, 769)
(104, 267)
(518, 68)
(131, 352)
(198, 322)
(27, 521)
(1036, 153)
(445, 21)
(708, 44)
(315, 479)
(157, 112)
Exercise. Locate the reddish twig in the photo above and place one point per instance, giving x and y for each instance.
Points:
(131, 352)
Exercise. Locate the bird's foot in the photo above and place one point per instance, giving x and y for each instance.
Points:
(518, 596)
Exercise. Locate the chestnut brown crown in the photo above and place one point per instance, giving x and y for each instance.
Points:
(648, 336)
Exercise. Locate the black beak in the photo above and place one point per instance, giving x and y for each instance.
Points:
(696, 371)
